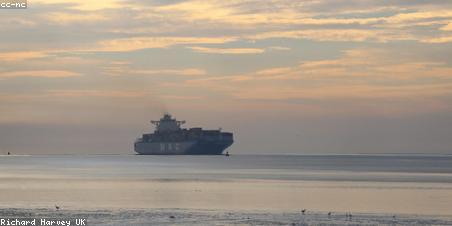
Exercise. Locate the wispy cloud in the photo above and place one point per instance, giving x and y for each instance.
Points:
(136, 43)
(122, 68)
(95, 93)
(279, 48)
(185, 71)
(39, 73)
(17, 56)
(444, 39)
(227, 50)
(83, 5)
(341, 35)
(74, 18)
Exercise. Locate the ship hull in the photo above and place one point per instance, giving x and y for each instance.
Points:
(182, 148)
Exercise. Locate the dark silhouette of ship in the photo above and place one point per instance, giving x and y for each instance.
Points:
(170, 139)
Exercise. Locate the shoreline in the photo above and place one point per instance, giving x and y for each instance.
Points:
(178, 216)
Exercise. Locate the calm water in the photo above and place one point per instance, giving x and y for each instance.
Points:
(358, 183)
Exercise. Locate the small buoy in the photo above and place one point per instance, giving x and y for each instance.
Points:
(172, 217)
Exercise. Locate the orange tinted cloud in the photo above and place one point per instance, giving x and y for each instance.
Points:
(68, 18)
(16, 56)
(227, 50)
(136, 43)
(84, 5)
(39, 73)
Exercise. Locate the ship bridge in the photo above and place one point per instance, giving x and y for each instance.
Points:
(167, 124)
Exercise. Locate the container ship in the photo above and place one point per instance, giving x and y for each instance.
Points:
(170, 139)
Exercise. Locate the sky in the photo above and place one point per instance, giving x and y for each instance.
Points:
(286, 77)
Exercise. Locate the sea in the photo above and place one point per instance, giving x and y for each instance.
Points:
(234, 190)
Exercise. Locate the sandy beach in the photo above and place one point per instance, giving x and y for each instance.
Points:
(141, 217)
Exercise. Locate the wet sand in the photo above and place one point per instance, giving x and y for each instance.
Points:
(141, 217)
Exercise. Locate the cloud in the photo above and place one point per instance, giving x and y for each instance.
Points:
(420, 16)
(17, 21)
(359, 25)
(121, 68)
(24, 55)
(225, 12)
(358, 74)
(349, 92)
(341, 35)
(240, 13)
(279, 48)
(447, 27)
(180, 97)
(39, 73)
(438, 40)
(95, 93)
(227, 50)
(70, 18)
(186, 72)
(111, 30)
(362, 63)
(274, 71)
(136, 43)
(123, 26)
(83, 5)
